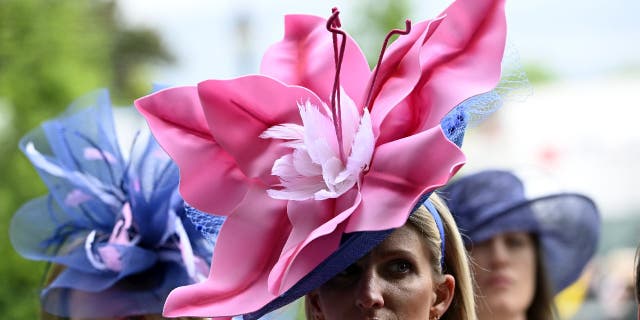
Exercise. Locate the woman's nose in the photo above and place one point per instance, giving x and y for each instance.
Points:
(499, 253)
(369, 293)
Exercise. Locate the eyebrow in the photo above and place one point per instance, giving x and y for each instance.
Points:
(397, 252)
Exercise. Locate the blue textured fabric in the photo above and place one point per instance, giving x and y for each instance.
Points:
(92, 185)
(436, 217)
(493, 202)
(455, 123)
(208, 225)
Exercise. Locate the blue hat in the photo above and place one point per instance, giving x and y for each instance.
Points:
(113, 221)
(492, 202)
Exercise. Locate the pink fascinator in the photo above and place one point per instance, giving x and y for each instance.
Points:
(318, 158)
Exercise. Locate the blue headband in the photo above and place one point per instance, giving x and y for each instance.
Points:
(438, 220)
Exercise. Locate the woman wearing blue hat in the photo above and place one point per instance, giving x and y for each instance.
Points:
(112, 226)
(524, 250)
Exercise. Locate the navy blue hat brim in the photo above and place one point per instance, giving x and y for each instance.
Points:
(569, 232)
(353, 247)
(567, 226)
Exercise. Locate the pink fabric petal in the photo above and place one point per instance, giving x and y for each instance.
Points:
(401, 172)
(459, 57)
(209, 177)
(472, 37)
(317, 231)
(242, 259)
(305, 57)
(424, 75)
(238, 111)
(399, 74)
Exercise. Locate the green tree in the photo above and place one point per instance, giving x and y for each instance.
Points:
(50, 53)
(372, 22)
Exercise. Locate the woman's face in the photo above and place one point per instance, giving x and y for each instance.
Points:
(394, 281)
(504, 268)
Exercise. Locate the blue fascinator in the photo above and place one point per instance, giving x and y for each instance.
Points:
(492, 202)
(113, 219)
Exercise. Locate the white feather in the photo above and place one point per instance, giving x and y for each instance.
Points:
(300, 188)
(350, 120)
(363, 146)
(283, 167)
(314, 170)
(285, 131)
(304, 165)
(330, 170)
(91, 183)
(319, 133)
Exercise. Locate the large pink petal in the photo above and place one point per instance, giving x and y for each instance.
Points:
(401, 172)
(305, 57)
(467, 56)
(239, 110)
(242, 259)
(317, 231)
(460, 57)
(209, 177)
(398, 75)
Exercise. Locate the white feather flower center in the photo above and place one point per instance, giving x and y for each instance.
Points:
(314, 169)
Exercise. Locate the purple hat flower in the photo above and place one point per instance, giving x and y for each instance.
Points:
(114, 222)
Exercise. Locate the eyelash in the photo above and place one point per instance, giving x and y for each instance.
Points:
(400, 267)
(349, 271)
(516, 242)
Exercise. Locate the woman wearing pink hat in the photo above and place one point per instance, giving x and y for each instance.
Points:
(319, 165)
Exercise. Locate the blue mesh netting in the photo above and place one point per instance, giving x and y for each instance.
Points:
(208, 224)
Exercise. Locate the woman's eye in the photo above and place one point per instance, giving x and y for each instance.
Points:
(400, 267)
(517, 241)
(347, 272)
(346, 277)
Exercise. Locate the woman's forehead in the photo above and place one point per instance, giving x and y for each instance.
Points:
(404, 240)
(510, 234)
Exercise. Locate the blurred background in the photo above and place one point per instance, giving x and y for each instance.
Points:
(576, 131)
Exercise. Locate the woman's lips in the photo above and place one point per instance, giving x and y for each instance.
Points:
(498, 281)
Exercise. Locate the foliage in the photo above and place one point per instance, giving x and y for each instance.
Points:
(538, 74)
(374, 20)
(50, 53)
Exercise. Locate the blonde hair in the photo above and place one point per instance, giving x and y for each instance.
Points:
(456, 260)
